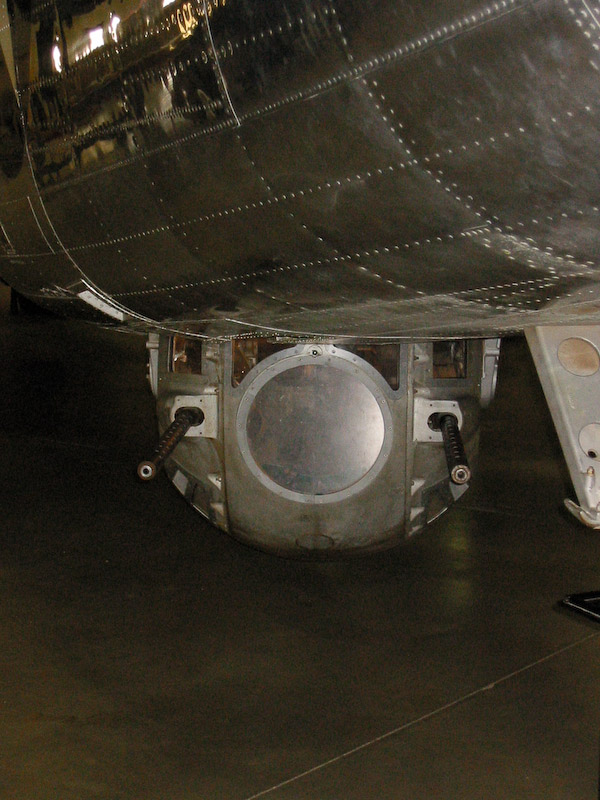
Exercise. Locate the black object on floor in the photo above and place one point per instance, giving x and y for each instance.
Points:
(587, 603)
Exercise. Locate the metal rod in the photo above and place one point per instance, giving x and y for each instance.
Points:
(456, 458)
(185, 418)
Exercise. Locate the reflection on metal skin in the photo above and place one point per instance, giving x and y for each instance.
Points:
(348, 169)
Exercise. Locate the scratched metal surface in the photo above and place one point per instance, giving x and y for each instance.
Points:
(336, 167)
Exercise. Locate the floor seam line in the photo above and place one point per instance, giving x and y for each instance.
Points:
(435, 712)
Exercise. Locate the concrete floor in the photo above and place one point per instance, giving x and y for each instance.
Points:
(146, 656)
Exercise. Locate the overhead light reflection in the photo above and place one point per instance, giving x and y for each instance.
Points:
(96, 36)
(57, 58)
(112, 26)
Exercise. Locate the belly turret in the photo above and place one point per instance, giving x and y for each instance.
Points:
(322, 447)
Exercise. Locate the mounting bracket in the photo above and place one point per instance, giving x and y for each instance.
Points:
(567, 359)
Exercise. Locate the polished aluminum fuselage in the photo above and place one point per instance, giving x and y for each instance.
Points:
(344, 168)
